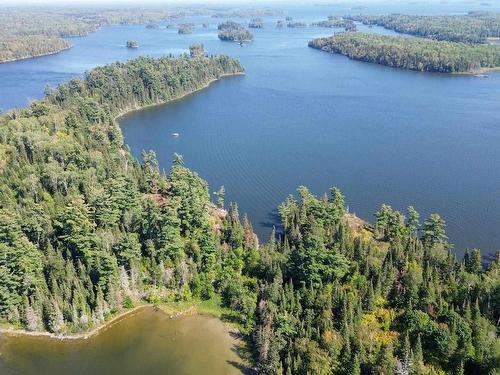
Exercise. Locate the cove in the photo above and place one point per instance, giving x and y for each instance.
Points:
(148, 342)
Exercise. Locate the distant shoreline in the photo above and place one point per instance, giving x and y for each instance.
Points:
(36, 56)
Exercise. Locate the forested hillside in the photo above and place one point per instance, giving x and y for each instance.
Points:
(84, 228)
(472, 28)
(411, 53)
(30, 46)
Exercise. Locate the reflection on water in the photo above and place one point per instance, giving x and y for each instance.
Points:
(147, 343)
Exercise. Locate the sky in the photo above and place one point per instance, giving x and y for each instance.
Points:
(185, 2)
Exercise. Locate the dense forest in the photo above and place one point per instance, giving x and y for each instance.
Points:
(340, 297)
(473, 28)
(84, 228)
(411, 53)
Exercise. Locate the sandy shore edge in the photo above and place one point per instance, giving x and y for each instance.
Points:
(77, 336)
(171, 310)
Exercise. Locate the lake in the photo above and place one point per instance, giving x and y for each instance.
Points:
(147, 343)
(304, 117)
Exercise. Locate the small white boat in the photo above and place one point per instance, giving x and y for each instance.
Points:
(481, 75)
(175, 134)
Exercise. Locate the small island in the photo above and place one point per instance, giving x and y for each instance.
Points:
(230, 25)
(236, 36)
(412, 53)
(234, 32)
(256, 23)
(132, 44)
(185, 28)
(296, 25)
(337, 22)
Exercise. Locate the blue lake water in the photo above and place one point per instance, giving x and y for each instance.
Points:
(303, 117)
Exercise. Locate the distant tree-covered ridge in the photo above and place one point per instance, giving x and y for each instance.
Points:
(84, 228)
(32, 32)
(29, 33)
(411, 53)
(24, 47)
(473, 28)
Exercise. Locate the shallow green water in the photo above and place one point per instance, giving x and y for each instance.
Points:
(148, 342)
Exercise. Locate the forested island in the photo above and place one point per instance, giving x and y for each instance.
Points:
(256, 23)
(337, 22)
(236, 36)
(296, 25)
(185, 28)
(412, 53)
(474, 28)
(87, 231)
(132, 44)
(234, 32)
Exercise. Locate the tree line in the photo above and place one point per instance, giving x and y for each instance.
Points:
(411, 53)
